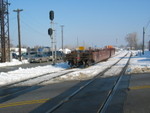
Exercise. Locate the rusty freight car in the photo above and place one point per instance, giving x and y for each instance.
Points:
(85, 58)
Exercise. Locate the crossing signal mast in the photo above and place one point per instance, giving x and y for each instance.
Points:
(4, 31)
(51, 33)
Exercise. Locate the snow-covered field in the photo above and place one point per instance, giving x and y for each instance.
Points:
(138, 64)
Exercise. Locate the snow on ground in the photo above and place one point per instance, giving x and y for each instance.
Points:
(96, 69)
(22, 74)
(13, 62)
(138, 64)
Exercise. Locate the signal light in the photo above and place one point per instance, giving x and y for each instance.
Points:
(51, 15)
(50, 31)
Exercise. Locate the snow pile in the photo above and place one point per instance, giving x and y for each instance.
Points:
(13, 62)
(23, 74)
(139, 63)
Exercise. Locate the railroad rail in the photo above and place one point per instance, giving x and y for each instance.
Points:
(11, 90)
(8, 90)
(107, 99)
(105, 104)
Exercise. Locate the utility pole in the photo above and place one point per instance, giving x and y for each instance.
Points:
(143, 41)
(149, 45)
(144, 29)
(116, 42)
(19, 37)
(62, 39)
(77, 42)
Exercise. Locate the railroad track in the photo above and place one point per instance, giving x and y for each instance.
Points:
(111, 93)
(74, 98)
(13, 90)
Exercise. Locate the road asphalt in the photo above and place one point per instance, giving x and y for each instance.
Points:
(132, 95)
(138, 95)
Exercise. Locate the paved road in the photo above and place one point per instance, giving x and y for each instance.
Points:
(135, 100)
(132, 96)
(138, 97)
(90, 99)
(43, 98)
(30, 101)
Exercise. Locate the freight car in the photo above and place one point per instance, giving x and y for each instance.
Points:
(85, 58)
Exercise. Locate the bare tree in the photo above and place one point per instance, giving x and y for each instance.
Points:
(132, 40)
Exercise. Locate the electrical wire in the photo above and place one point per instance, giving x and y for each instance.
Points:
(147, 25)
(32, 28)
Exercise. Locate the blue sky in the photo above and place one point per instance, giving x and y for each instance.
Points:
(92, 22)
